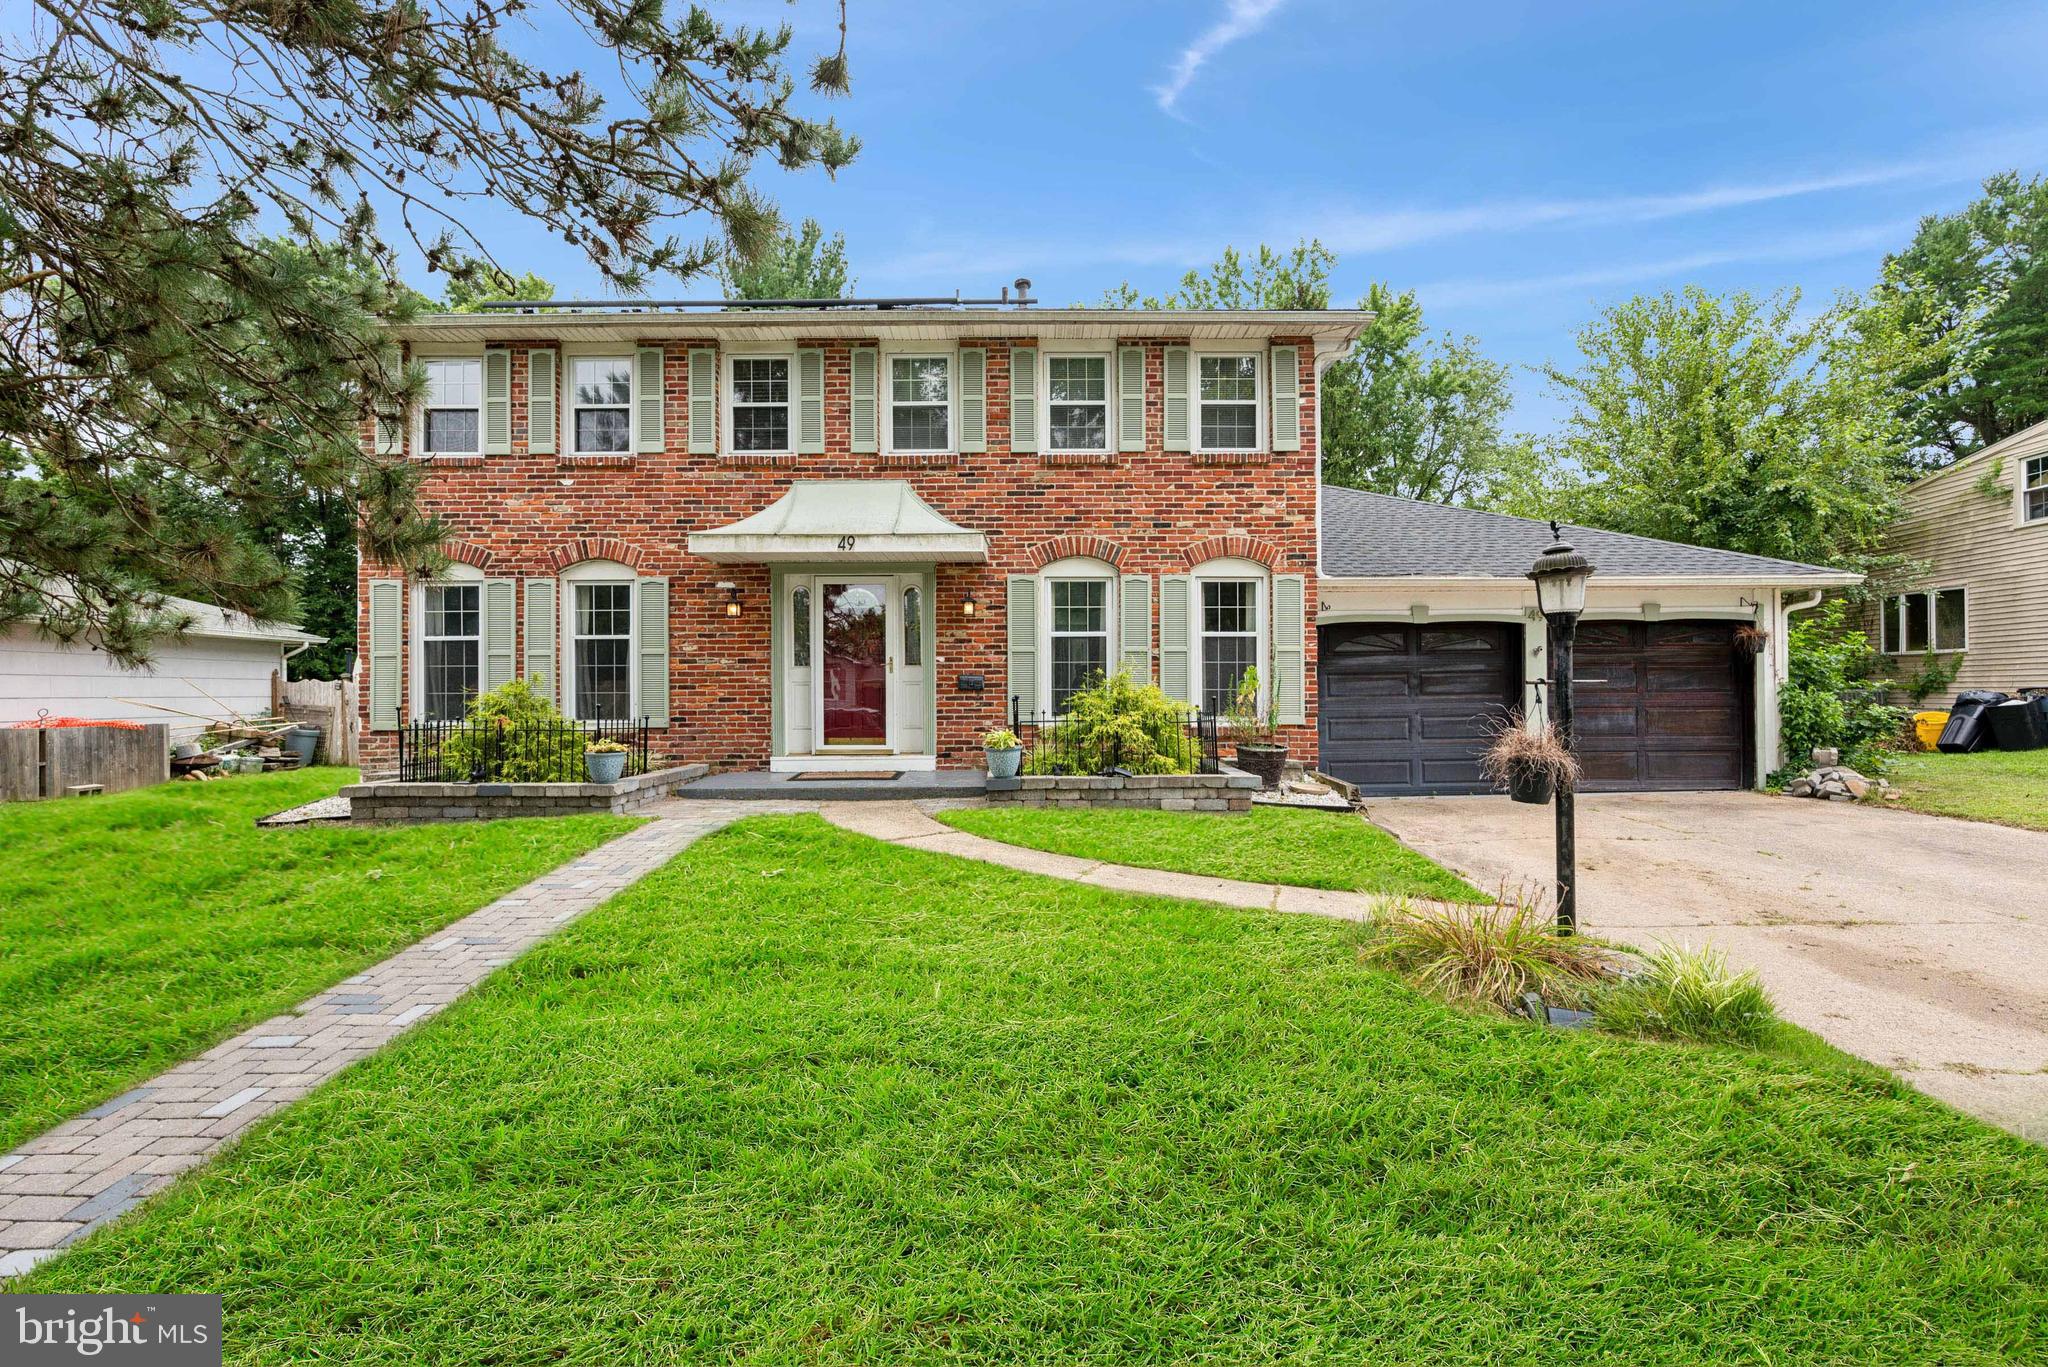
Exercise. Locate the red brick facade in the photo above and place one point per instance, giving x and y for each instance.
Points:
(1152, 512)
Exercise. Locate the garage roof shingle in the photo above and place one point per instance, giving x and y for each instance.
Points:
(1376, 536)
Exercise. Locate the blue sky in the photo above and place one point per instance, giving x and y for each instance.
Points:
(1518, 165)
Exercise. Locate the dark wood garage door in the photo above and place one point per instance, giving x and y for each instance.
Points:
(1404, 709)
(1670, 708)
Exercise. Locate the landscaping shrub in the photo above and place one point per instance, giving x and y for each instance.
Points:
(1489, 955)
(1830, 698)
(1688, 994)
(514, 735)
(1117, 721)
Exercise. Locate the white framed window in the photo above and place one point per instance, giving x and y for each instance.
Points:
(1931, 619)
(2034, 489)
(597, 641)
(448, 644)
(1077, 402)
(1229, 633)
(1227, 401)
(1078, 612)
(597, 420)
(451, 419)
(757, 403)
(921, 402)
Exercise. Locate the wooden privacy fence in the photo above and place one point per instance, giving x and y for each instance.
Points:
(329, 704)
(49, 761)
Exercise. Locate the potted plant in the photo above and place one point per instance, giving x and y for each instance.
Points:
(1257, 734)
(604, 761)
(1004, 752)
(1529, 764)
(1751, 640)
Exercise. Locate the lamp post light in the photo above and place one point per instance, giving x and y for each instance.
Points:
(1560, 575)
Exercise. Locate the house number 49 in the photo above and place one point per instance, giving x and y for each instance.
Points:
(846, 543)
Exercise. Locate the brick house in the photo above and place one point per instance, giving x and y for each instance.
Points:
(856, 538)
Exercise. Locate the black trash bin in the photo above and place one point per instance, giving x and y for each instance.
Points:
(1968, 727)
(2019, 724)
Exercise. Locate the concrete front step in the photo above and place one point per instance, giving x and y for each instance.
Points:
(907, 787)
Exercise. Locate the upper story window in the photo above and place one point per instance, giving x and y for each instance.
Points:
(1228, 402)
(759, 400)
(1934, 619)
(451, 649)
(2034, 489)
(600, 405)
(1229, 639)
(1077, 393)
(920, 403)
(451, 419)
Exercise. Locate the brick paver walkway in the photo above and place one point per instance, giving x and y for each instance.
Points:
(62, 1184)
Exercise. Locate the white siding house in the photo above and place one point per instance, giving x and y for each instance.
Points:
(224, 662)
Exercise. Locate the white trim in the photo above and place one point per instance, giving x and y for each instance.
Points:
(597, 572)
(1047, 352)
(566, 378)
(886, 415)
(1258, 401)
(1070, 570)
(728, 397)
(2021, 488)
(1233, 571)
(419, 412)
(416, 644)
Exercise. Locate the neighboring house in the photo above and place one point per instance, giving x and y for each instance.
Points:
(1980, 528)
(856, 538)
(224, 662)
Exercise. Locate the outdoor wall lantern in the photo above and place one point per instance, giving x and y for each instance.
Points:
(968, 605)
(732, 597)
(1560, 575)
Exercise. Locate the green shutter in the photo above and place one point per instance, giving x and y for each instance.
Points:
(500, 631)
(653, 643)
(1021, 622)
(1290, 654)
(541, 421)
(649, 399)
(1176, 404)
(1130, 398)
(391, 433)
(497, 402)
(1176, 634)
(973, 398)
(810, 401)
(1024, 398)
(540, 638)
(860, 415)
(1286, 371)
(387, 599)
(1135, 627)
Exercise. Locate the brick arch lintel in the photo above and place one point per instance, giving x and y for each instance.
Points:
(1066, 547)
(595, 548)
(1237, 547)
(466, 553)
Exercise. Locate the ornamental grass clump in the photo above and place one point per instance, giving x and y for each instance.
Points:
(1516, 755)
(1488, 955)
(1684, 993)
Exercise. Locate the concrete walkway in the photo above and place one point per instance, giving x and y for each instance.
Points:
(1917, 942)
(68, 1181)
(906, 823)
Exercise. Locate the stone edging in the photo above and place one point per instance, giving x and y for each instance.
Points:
(1229, 791)
(388, 801)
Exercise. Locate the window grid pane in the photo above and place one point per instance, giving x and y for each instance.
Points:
(603, 687)
(455, 384)
(450, 430)
(1230, 426)
(602, 429)
(602, 380)
(756, 428)
(1230, 642)
(1077, 379)
(1080, 427)
(919, 427)
(1950, 619)
(451, 678)
(1077, 661)
(760, 380)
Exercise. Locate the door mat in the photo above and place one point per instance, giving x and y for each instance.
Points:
(837, 775)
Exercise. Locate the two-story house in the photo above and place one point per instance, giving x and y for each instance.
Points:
(1977, 534)
(857, 537)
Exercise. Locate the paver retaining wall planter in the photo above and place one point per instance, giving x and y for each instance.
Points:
(1229, 791)
(386, 801)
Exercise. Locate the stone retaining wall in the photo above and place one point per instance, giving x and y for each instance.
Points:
(1229, 791)
(387, 801)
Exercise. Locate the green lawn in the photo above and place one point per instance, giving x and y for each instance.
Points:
(144, 927)
(805, 1097)
(1264, 845)
(2010, 788)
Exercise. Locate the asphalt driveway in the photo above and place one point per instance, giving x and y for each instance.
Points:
(1917, 942)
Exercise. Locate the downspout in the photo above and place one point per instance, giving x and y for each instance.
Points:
(1781, 667)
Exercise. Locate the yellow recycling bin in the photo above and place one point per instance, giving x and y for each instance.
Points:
(1928, 727)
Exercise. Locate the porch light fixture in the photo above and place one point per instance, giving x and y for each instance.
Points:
(1560, 575)
(968, 605)
(732, 597)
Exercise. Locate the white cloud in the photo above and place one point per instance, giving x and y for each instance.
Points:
(1241, 19)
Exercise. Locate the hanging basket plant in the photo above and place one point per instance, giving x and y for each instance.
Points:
(1528, 765)
(1751, 640)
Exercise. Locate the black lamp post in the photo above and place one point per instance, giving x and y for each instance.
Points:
(1560, 574)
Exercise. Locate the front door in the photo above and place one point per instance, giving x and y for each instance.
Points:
(854, 653)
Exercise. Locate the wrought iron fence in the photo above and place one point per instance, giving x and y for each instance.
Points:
(1144, 742)
(495, 750)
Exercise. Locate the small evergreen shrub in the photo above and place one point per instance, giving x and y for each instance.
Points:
(513, 735)
(1117, 721)
(1688, 994)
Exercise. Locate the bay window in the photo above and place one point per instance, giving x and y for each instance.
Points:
(600, 405)
(1227, 402)
(451, 417)
(920, 403)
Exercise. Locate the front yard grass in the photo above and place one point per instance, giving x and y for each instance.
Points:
(142, 928)
(802, 1096)
(2006, 787)
(1264, 845)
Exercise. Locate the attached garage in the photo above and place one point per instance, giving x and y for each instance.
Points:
(1407, 709)
(1427, 632)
